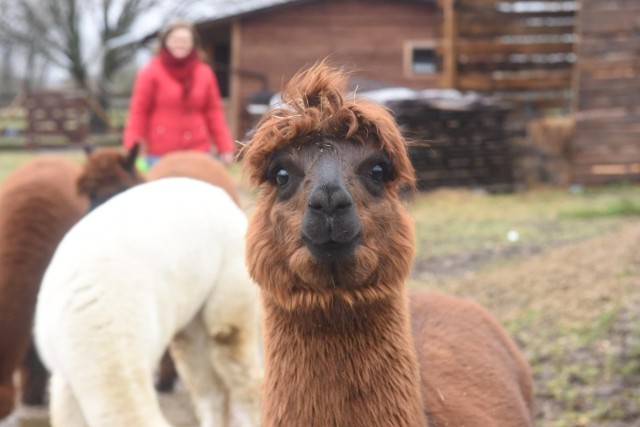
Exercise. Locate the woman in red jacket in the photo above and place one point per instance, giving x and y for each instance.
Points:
(176, 102)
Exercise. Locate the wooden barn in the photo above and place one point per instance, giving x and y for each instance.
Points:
(519, 48)
(606, 145)
(255, 51)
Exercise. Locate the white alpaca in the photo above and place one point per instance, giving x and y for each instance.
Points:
(162, 262)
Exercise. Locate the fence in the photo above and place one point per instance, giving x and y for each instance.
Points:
(56, 119)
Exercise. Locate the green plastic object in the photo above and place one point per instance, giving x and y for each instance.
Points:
(142, 165)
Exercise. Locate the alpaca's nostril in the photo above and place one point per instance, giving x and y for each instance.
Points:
(342, 204)
(316, 204)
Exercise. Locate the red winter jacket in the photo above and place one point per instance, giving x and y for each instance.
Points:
(159, 116)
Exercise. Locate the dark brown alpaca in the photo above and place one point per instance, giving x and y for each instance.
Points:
(38, 205)
(107, 172)
(331, 245)
(110, 171)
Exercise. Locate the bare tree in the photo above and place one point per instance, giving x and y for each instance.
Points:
(50, 29)
(59, 30)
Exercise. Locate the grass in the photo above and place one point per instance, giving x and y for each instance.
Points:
(453, 221)
(621, 207)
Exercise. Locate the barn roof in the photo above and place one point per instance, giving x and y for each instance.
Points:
(205, 14)
(232, 10)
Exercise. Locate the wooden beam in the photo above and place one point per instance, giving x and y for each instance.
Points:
(449, 45)
(473, 3)
(575, 71)
(497, 24)
(487, 11)
(542, 81)
(591, 5)
(609, 21)
(494, 47)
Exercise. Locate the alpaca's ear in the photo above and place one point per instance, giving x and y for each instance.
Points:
(83, 185)
(129, 162)
(88, 149)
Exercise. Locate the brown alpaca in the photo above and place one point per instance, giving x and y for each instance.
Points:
(331, 245)
(474, 374)
(38, 205)
(197, 165)
(107, 172)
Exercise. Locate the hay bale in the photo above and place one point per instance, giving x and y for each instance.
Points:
(542, 157)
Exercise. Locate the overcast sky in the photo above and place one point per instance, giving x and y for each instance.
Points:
(155, 19)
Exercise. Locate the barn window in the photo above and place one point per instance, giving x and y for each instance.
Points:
(422, 59)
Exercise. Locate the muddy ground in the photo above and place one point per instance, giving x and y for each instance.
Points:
(574, 308)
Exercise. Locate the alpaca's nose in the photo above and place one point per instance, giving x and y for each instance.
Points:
(329, 198)
(330, 226)
(328, 195)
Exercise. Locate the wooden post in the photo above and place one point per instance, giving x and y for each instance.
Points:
(576, 71)
(449, 44)
(235, 95)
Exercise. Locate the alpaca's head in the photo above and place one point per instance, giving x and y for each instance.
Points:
(107, 172)
(328, 221)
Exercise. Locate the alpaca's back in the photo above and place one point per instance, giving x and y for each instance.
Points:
(162, 242)
(472, 370)
(38, 204)
(130, 275)
(197, 165)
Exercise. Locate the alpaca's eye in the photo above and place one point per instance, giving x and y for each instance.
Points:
(377, 173)
(282, 177)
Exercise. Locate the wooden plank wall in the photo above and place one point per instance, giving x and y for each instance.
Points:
(521, 49)
(365, 36)
(606, 146)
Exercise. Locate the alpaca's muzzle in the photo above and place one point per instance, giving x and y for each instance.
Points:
(331, 227)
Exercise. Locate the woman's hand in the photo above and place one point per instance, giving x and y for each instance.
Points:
(227, 158)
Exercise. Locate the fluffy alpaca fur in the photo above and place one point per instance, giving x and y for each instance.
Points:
(197, 165)
(331, 245)
(161, 260)
(107, 172)
(473, 371)
(38, 204)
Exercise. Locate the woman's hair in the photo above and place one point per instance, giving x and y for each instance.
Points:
(182, 23)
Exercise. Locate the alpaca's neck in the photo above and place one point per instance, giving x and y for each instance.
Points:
(341, 366)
